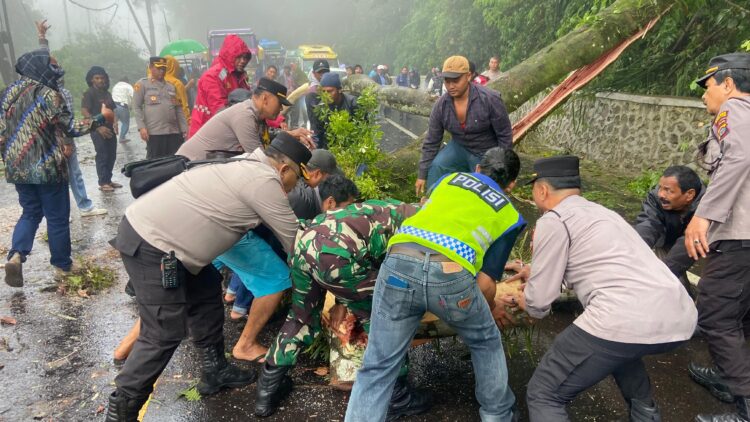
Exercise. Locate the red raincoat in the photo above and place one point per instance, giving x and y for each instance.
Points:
(218, 81)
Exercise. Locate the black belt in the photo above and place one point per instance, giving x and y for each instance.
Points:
(416, 253)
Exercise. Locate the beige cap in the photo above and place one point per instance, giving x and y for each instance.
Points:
(455, 66)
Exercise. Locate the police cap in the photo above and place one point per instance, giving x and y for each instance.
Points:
(274, 88)
(563, 166)
(724, 62)
(292, 148)
(157, 61)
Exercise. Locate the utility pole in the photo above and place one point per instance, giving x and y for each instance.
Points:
(67, 20)
(140, 28)
(7, 60)
(151, 27)
(166, 25)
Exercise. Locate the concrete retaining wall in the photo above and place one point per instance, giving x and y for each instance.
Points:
(631, 132)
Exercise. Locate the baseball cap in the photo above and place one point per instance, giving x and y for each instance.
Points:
(560, 166)
(455, 66)
(157, 61)
(724, 62)
(324, 161)
(292, 148)
(381, 67)
(321, 65)
(274, 88)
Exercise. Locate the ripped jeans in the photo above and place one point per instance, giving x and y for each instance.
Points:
(405, 289)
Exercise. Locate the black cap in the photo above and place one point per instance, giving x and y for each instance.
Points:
(562, 166)
(723, 62)
(157, 61)
(325, 161)
(321, 65)
(292, 148)
(274, 88)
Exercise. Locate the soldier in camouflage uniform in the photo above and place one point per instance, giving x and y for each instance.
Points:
(339, 251)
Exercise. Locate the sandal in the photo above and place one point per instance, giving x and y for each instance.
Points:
(106, 188)
(115, 185)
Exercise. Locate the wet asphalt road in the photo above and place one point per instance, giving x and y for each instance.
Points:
(56, 361)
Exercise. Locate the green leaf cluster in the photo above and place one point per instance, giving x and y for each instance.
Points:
(354, 140)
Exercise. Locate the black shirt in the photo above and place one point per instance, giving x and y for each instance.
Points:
(93, 100)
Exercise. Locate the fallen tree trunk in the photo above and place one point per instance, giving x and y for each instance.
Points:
(548, 66)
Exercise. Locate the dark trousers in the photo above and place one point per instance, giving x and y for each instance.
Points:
(576, 361)
(723, 311)
(106, 153)
(452, 158)
(163, 145)
(53, 203)
(167, 315)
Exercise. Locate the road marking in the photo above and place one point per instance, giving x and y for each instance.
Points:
(401, 128)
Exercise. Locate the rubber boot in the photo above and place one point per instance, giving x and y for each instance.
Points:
(742, 415)
(274, 385)
(713, 380)
(406, 402)
(218, 373)
(643, 412)
(122, 408)
(14, 271)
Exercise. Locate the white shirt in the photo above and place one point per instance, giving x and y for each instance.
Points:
(122, 93)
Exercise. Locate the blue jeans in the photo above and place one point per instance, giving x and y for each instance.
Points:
(451, 159)
(77, 186)
(405, 289)
(53, 203)
(123, 116)
(243, 298)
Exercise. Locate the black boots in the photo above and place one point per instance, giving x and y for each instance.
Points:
(123, 409)
(644, 412)
(273, 387)
(406, 402)
(218, 373)
(712, 379)
(742, 415)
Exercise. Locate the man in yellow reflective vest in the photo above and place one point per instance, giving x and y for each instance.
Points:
(445, 259)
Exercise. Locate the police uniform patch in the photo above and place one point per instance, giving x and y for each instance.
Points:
(137, 87)
(720, 125)
(153, 98)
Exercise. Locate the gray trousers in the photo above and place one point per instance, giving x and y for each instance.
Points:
(576, 361)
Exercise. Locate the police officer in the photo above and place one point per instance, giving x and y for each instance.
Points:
(158, 112)
(169, 259)
(720, 231)
(445, 259)
(634, 306)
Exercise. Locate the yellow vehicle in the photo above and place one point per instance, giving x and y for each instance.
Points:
(311, 52)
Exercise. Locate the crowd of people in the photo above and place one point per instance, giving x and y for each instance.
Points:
(282, 216)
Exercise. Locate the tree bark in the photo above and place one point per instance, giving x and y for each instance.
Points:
(547, 66)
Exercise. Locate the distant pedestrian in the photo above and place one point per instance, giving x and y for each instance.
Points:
(349, 71)
(105, 136)
(320, 68)
(358, 69)
(158, 112)
(287, 79)
(402, 79)
(414, 79)
(494, 69)
(122, 95)
(271, 72)
(172, 76)
(380, 77)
